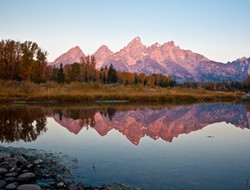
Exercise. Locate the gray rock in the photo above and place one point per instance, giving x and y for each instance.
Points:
(77, 186)
(13, 169)
(12, 161)
(2, 183)
(10, 179)
(29, 187)
(29, 166)
(6, 165)
(12, 185)
(26, 176)
(60, 184)
(3, 170)
(38, 161)
(24, 171)
(20, 159)
(11, 174)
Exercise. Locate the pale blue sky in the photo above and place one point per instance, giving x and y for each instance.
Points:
(218, 29)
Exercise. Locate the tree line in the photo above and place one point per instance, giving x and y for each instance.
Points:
(26, 61)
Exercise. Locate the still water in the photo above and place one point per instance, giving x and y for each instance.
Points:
(200, 146)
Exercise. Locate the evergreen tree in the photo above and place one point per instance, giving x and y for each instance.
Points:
(112, 76)
(60, 75)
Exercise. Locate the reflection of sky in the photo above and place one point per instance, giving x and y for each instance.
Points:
(190, 161)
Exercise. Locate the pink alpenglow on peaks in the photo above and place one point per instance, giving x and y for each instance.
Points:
(167, 59)
(73, 55)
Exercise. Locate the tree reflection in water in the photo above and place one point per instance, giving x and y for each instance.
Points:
(21, 123)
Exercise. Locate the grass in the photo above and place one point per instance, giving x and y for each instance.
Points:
(90, 92)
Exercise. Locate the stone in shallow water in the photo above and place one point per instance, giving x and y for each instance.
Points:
(29, 187)
(77, 186)
(3, 170)
(2, 183)
(26, 176)
(60, 184)
(12, 185)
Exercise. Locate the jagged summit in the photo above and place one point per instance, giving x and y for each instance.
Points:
(102, 54)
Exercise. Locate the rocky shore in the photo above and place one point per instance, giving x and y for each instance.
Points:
(30, 169)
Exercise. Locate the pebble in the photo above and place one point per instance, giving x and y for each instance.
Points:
(38, 161)
(12, 185)
(60, 184)
(3, 170)
(10, 179)
(29, 166)
(20, 159)
(2, 183)
(29, 187)
(26, 176)
(11, 174)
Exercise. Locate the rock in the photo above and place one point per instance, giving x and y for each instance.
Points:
(60, 184)
(29, 166)
(5, 165)
(26, 176)
(13, 169)
(12, 185)
(29, 187)
(20, 159)
(2, 183)
(12, 162)
(11, 174)
(77, 186)
(10, 179)
(38, 161)
(3, 170)
(24, 171)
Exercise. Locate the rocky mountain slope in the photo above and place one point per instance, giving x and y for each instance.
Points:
(168, 59)
(73, 55)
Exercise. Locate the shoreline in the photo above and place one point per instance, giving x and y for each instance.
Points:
(33, 169)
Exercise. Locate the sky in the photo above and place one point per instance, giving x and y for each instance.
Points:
(217, 29)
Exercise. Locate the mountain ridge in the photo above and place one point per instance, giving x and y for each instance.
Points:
(167, 59)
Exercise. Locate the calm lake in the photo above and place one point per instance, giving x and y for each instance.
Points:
(199, 146)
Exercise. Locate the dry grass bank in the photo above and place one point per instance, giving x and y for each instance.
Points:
(89, 92)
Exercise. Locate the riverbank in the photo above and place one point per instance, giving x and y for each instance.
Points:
(29, 169)
(94, 92)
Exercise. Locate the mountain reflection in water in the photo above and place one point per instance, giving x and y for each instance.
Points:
(23, 122)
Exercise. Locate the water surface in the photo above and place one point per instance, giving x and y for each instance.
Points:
(201, 146)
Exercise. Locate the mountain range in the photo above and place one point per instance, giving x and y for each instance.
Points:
(168, 59)
(165, 124)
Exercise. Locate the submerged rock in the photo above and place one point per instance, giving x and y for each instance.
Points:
(77, 186)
